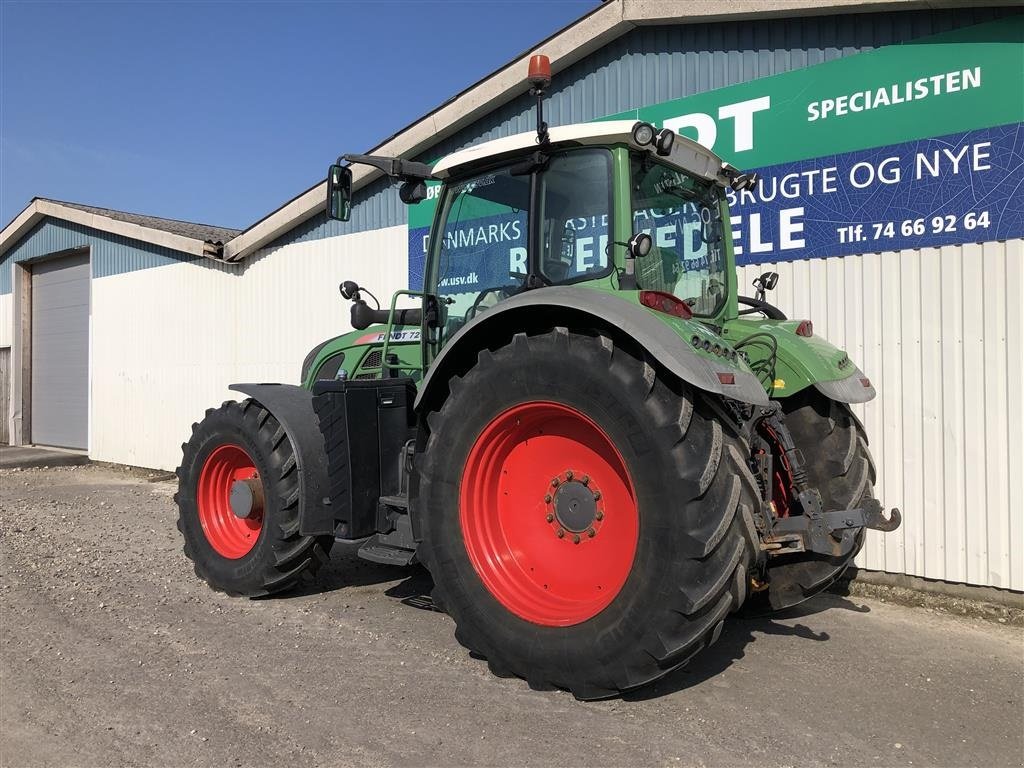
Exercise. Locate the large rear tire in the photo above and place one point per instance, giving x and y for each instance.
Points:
(242, 448)
(586, 519)
(839, 465)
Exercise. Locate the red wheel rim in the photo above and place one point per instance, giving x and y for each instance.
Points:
(524, 510)
(229, 535)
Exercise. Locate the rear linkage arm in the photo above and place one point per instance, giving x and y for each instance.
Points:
(831, 533)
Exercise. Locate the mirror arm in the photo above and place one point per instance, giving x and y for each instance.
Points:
(395, 167)
(627, 278)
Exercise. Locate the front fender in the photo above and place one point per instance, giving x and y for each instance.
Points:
(293, 407)
(670, 341)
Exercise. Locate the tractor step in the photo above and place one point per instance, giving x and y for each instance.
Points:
(378, 552)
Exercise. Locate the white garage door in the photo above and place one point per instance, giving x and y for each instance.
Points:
(60, 352)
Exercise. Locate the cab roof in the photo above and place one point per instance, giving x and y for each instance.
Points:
(686, 154)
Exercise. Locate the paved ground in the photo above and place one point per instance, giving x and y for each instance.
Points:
(32, 456)
(111, 653)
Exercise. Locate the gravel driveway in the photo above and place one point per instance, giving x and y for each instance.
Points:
(111, 653)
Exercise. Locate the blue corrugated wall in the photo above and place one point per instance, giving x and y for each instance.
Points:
(646, 66)
(653, 64)
(110, 254)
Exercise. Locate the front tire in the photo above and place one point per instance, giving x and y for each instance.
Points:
(241, 448)
(839, 465)
(585, 517)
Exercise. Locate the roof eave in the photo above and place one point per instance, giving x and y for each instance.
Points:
(39, 209)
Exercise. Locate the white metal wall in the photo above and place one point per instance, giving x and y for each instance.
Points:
(167, 341)
(6, 319)
(940, 333)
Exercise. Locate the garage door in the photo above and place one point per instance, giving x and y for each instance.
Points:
(60, 352)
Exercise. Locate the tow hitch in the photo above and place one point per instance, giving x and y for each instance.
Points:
(827, 533)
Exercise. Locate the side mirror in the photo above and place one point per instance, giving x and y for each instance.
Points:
(339, 192)
(640, 245)
(349, 290)
(765, 282)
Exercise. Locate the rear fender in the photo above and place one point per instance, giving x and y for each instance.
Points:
(813, 361)
(293, 407)
(804, 361)
(668, 340)
(855, 388)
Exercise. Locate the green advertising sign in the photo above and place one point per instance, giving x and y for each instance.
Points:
(907, 146)
(959, 81)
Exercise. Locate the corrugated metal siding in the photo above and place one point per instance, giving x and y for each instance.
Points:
(111, 254)
(940, 332)
(156, 375)
(375, 207)
(653, 64)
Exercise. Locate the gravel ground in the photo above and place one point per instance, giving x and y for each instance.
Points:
(112, 653)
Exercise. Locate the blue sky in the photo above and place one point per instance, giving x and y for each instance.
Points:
(219, 112)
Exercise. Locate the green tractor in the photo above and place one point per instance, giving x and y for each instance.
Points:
(595, 445)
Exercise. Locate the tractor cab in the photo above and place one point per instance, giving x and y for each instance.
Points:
(619, 207)
(566, 213)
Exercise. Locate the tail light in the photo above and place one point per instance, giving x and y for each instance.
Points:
(667, 303)
(806, 328)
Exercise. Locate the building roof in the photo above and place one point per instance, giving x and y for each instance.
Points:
(206, 232)
(184, 236)
(607, 22)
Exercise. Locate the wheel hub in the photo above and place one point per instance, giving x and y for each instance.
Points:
(575, 506)
(229, 497)
(246, 498)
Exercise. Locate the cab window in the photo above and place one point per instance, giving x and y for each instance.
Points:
(481, 255)
(575, 215)
(682, 214)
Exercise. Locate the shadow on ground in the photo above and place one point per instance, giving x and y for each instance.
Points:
(413, 586)
(346, 569)
(740, 631)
